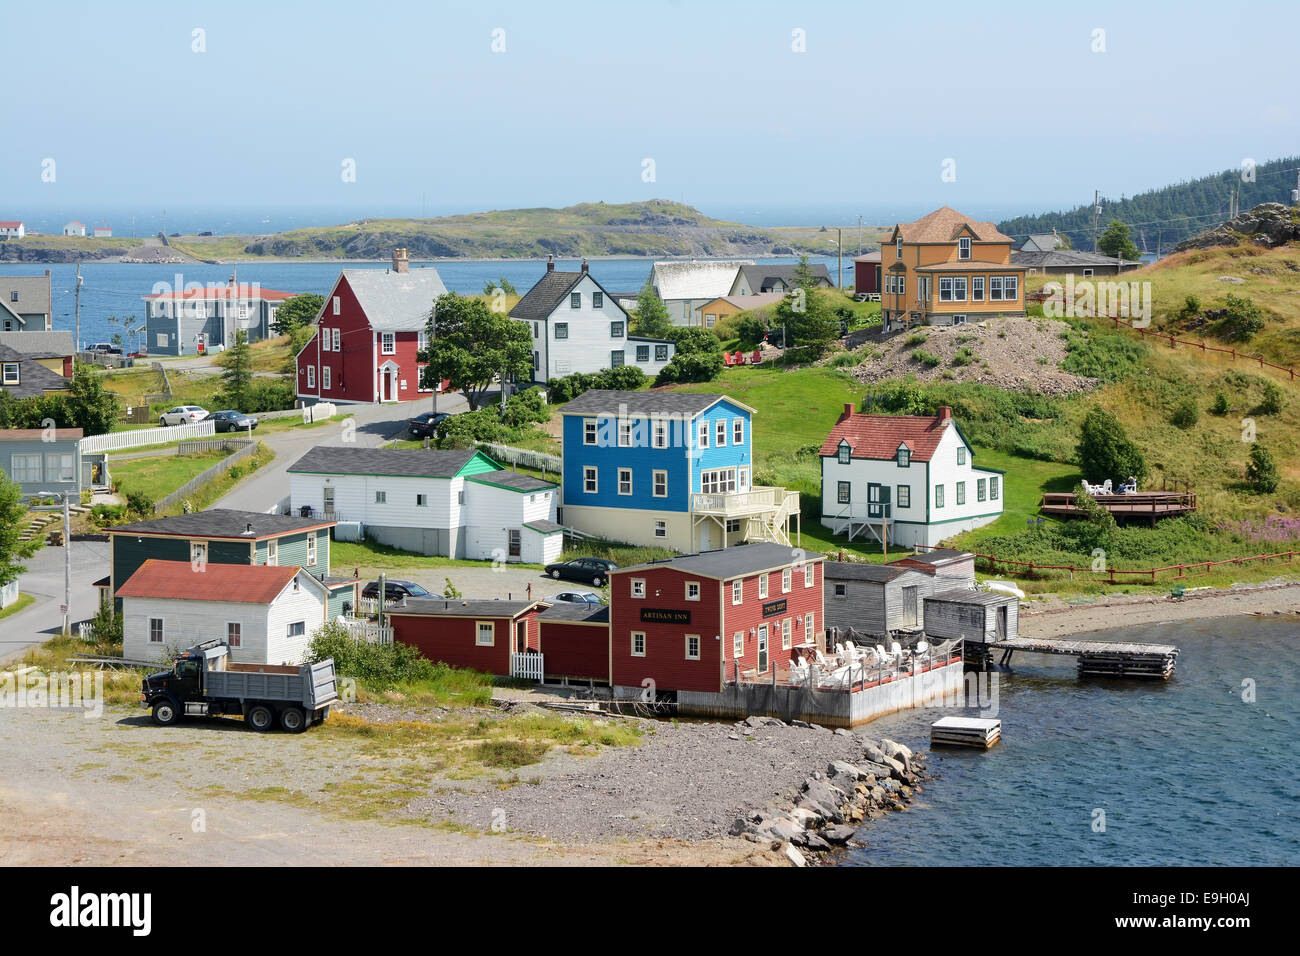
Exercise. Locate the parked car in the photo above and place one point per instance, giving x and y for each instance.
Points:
(182, 415)
(576, 597)
(425, 424)
(592, 570)
(106, 348)
(396, 591)
(232, 421)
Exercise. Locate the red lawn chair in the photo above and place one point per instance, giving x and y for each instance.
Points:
(756, 358)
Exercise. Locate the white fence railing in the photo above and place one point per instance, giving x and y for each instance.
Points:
(368, 631)
(115, 441)
(527, 666)
(367, 605)
(510, 455)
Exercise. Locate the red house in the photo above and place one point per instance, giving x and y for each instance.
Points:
(866, 274)
(368, 335)
(684, 623)
(468, 633)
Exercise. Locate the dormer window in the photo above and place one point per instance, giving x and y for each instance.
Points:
(904, 456)
(963, 247)
(845, 450)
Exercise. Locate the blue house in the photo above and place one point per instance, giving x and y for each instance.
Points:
(672, 469)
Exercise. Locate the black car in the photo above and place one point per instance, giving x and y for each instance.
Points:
(232, 421)
(425, 424)
(594, 570)
(396, 591)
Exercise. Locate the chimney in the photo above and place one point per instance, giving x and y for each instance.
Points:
(584, 265)
(945, 416)
(550, 263)
(400, 262)
(848, 411)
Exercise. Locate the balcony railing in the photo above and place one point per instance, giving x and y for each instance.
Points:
(758, 500)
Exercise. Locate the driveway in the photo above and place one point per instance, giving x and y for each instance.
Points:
(374, 425)
(43, 580)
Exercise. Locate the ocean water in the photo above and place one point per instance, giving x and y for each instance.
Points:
(116, 288)
(1185, 771)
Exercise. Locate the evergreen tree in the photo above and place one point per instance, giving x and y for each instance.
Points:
(237, 378)
(1105, 451)
(12, 522)
(650, 317)
(1116, 242)
(1261, 471)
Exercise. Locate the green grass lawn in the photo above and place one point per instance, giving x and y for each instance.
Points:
(23, 601)
(370, 554)
(159, 475)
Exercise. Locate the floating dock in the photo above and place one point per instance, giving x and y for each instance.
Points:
(1099, 658)
(979, 732)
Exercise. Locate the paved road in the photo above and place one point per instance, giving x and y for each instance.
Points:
(375, 424)
(43, 580)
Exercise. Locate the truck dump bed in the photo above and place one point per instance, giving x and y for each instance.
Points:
(311, 685)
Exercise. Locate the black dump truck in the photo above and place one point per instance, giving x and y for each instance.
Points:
(204, 682)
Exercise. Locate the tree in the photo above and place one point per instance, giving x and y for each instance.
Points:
(650, 317)
(1105, 451)
(1116, 242)
(297, 313)
(13, 519)
(1261, 471)
(88, 405)
(808, 324)
(504, 284)
(1239, 319)
(472, 345)
(238, 375)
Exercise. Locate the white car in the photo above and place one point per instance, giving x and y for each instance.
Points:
(182, 415)
(576, 597)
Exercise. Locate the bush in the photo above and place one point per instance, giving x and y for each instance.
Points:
(964, 356)
(1273, 401)
(916, 338)
(1105, 451)
(1261, 471)
(626, 378)
(1186, 414)
(1239, 319)
(692, 367)
(1104, 355)
(1220, 405)
(378, 665)
(928, 359)
(139, 503)
(751, 329)
(106, 630)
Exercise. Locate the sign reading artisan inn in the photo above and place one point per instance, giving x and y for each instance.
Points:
(658, 615)
(774, 607)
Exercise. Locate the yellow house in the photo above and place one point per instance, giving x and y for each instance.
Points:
(948, 269)
(715, 310)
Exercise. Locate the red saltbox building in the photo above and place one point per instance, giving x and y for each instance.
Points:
(468, 633)
(368, 335)
(685, 622)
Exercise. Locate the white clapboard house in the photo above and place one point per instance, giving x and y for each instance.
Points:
(912, 476)
(455, 503)
(577, 326)
(266, 613)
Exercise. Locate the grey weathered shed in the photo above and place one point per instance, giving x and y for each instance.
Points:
(981, 616)
(876, 599)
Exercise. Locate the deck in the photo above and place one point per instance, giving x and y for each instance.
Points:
(1100, 658)
(1150, 505)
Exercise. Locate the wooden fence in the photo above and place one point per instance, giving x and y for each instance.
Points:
(1030, 568)
(368, 632)
(116, 441)
(204, 445)
(1174, 342)
(201, 479)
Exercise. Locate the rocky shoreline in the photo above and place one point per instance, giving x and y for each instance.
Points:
(819, 821)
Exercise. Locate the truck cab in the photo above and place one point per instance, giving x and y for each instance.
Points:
(204, 682)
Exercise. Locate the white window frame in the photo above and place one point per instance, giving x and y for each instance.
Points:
(638, 588)
(625, 433)
(738, 431)
(12, 373)
(338, 306)
(993, 487)
(491, 627)
(809, 627)
(162, 630)
(273, 552)
(324, 340)
(633, 649)
(787, 580)
(785, 635)
(809, 574)
(703, 433)
(235, 633)
(762, 587)
(590, 430)
(311, 549)
(692, 590)
(590, 480)
(622, 480)
(963, 247)
(698, 645)
(995, 288)
(387, 343)
(337, 335)
(311, 376)
(658, 433)
(20, 468)
(977, 289)
(720, 433)
(737, 592)
(660, 528)
(324, 376)
(738, 645)
(658, 480)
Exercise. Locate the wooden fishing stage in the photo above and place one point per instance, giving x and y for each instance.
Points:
(1120, 659)
(1148, 505)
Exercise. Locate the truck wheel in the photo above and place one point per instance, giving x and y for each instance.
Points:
(293, 720)
(165, 713)
(260, 718)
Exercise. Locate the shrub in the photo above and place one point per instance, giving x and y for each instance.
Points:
(623, 378)
(106, 630)
(964, 356)
(1106, 356)
(379, 665)
(1261, 471)
(928, 359)
(139, 503)
(1273, 401)
(1105, 451)
(1186, 414)
(915, 339)
(1239, 319)
(1220, 405)
(692, 367)
(751, 329)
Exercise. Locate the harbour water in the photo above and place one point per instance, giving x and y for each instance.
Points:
(117, 288)
(1119, 773)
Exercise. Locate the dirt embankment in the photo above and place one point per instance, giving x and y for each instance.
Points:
(1020, 354)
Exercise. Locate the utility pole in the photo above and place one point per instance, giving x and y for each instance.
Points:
(76, 345)
(67, 565)
(433, 334)
(1096, 211)
(859, 235)
(839, 256)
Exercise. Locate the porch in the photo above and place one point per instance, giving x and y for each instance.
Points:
(762, 513)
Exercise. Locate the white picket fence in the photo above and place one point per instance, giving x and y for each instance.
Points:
(368, 631)
(508, 454)
(527, 667)
(116, 441)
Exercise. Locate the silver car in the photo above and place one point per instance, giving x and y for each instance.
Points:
(182, 415)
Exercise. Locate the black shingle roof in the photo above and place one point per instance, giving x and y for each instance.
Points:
(856, 571)
(939, 556)
(33, 377)
(731, 562)
(399, 462)
(601, 401)
(760, 277)
(540, 301)
(463, 608)
(222, 523)
(543, 526)
(514, 480)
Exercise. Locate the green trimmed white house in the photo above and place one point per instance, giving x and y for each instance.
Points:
(453, 503)
(913, 477)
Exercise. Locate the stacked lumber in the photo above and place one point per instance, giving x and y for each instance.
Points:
(979, 732)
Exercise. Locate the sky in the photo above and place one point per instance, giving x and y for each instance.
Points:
(813, 107)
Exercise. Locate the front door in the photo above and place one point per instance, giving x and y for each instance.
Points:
(1002, 622)
(762, 649)
(909, 607)
(327, 500)
(521, 637)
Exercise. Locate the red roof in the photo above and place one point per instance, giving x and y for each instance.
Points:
(225, 292)
(878, 436)
(235, 583)
(10, 223)
(35, 434)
